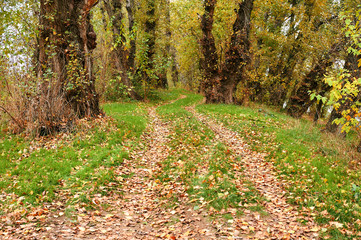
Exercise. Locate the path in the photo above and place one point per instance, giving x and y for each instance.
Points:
(283, 221)
(145, 211)
(140, 213)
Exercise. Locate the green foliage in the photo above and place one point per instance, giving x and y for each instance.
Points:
(346, 83)
(116, 90)
(287, 40)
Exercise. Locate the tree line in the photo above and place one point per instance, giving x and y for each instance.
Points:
(59, 57)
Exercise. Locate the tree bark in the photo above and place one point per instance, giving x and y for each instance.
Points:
(66, 40)
(210, 86)
(123, 61)
(150, 24)
(351, 65)
(163, 81)
(133, 47)
(221, 81)
(237, 56)
(300, 100)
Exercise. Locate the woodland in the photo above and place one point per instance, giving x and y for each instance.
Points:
(180, 119)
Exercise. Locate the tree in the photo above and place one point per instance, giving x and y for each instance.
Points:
(133, 47)
(64, 62)
(149, 29)
(220, 82)
(300, 99)
(124, 58)
(346, 85)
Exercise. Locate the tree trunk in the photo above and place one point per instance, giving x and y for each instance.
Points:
(351, 65)
(66, 40)
(220, 82)
(237, 56)
(331, 126)
(121, 53)
(300, 100)
(133, 48)
(210, 86)
(150, 24)
(163, 81)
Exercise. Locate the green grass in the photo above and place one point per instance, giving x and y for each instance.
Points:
(83, 161)
(313, 162)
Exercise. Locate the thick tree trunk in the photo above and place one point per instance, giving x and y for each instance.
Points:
(210, 86)
(237, 56)
(66, 40)
(331, 126)
(300, 100)
(121, 53)
(220, 82)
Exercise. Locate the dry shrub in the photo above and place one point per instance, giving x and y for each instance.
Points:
(36, 107)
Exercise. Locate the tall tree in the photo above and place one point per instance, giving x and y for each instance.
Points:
(345, 103)
(300, 99)
(169, 47)
(133, 47)
(124, 58)
(149, 29)
(66, 40)
(220, 80)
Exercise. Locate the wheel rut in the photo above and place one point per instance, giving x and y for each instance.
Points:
(283, 220)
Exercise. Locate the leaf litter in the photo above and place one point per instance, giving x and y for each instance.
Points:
(134, 210)
(283, 220)
(139, 208)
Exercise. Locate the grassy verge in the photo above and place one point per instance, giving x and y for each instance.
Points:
(314, 163)
(80, 163)
(204, 165)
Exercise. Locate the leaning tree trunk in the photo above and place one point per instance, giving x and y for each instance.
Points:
(66, 40)
(220, 83)
(123, 61)
(351, 65)
(300, 100)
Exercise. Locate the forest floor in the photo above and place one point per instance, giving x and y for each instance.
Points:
(178, 169)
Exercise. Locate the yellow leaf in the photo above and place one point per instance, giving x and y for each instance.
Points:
(315, 229)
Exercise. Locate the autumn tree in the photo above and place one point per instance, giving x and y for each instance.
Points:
(147, 71)
(291, 38)
(123, 56)
(220, 81)
(64, 62)
(300, 99)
